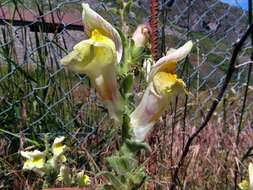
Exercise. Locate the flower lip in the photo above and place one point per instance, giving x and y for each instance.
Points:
(168, 84)
(168, 62)
(34, 159)
(92, 21)
(85, 52)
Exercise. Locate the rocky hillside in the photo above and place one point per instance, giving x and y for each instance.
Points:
(209, 16)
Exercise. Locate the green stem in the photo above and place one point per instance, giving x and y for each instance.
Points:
(18, 136)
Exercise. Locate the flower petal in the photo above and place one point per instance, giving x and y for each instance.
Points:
(34, 159)
(83, 180)
(91, 56)
(92, 21)
(146, 113)
(169, 84)
(160, 92)
(58, 147)
(141, 36)
(168, 63)
(31, 154)
(81, 55)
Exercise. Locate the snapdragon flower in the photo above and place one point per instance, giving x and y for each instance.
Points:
(97, 57)
(35, 160)
(163, 87)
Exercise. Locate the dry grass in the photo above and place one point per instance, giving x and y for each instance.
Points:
(211, 161)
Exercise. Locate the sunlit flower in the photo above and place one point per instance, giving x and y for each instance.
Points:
(97, 57)
(83, 180)
(169, 62)
(58, 147)
(140, 39)
(34, 160)
(164, 86)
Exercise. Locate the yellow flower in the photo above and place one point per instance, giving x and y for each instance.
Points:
(164, 86)
(97, 57)
(83, 180)
(34, 160)
(58, 147)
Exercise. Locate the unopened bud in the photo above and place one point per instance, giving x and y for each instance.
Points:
(141, 36)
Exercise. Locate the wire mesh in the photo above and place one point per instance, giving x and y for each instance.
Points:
(38, 96)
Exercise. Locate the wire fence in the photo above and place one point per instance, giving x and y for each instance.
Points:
(38, 96)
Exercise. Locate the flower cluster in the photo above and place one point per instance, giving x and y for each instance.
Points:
(98, 56)
(37, 162)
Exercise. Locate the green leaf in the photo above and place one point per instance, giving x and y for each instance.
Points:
(114, 11)
(126, 128)
(122, 164)
(137, 53)
(114, 180)
(127, 84)
(137, 178)
(120, 3)
(133, 147)
(127, 8)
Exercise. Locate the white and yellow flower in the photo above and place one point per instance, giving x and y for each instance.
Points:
(58, 149)
(35, 160)
(97, 57)
(164, 86)
(83, 180)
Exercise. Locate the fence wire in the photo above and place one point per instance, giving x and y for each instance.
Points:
(38, 96)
